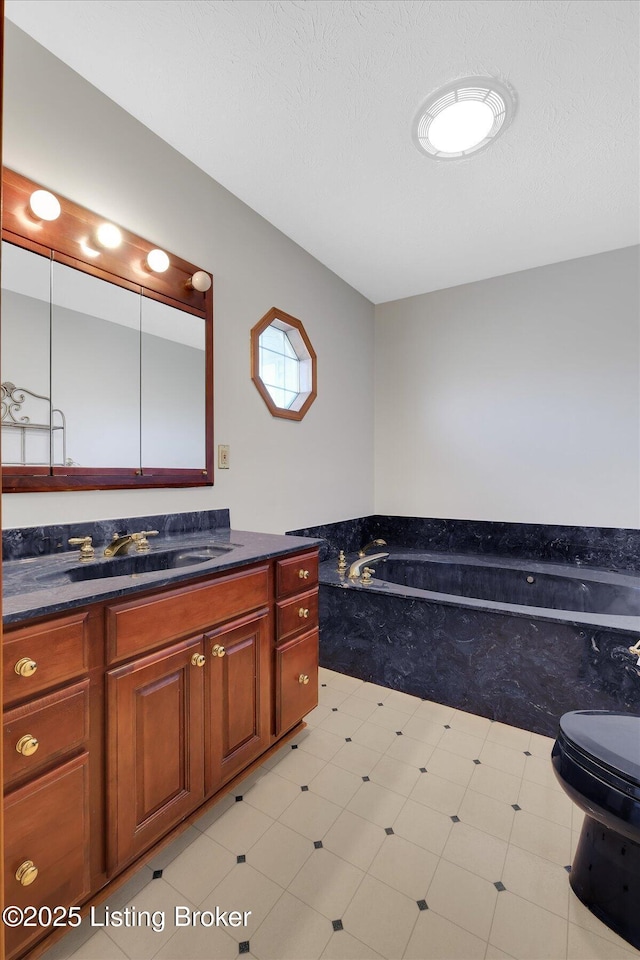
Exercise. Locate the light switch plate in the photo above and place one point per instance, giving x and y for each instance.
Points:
(223, 456)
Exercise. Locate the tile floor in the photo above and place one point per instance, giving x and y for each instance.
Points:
(390, 828)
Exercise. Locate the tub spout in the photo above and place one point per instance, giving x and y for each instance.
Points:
(355, 570)
(373, 543)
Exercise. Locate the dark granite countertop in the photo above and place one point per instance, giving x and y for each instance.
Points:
(42, 585)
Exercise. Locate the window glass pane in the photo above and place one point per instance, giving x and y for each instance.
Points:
(292, 374)
(289, 397)
(288, 349)
(277, 395)
(272, 338)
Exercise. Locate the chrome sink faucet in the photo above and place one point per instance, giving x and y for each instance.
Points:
(374, 543)
(122, 541)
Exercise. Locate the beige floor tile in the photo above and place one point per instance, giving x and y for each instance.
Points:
(325, 675)
(577, 817)
(279, 755)
(159, 899)
(443, 795)
(541, 771)
(584, 945)
(245, 889)
(416, 753)
(424, 728)
(540, 746)
(340, 681)
(404, 866)
(462, 744)
(327, 883)
(372, 691)
(71, 943)
(389, 718)
(292, 931)
(470, 723)
(495, 783)
(172, 850)
(375, 737)
(199, 943)
(513, 737)
(299, 766)
(357, 758)
(582, 917)
(322, 744)
(342, 946)
(526, 931)
(403, 702)
(357, 707)
(503, 758)
(310, 815)
(546, 803)
(272, 794)
(450, 766)
(239, 828)
(537, 880)
(335, 784)
(280, 853)
(485, 813)
(381, 917)
(395, 775)
(126, 893)
(341, 724)
(435, 938)
(377, 804)
(330, 697)
(100, 947)
(317, 715)
(423, 826)
(493, 953)
(436, 712)
(575, 840)
(542, 837)
(199, 869)
(354, 839)
(214, 813)
(478, 852)
(463, 898)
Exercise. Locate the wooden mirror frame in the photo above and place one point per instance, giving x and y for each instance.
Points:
(60, 240)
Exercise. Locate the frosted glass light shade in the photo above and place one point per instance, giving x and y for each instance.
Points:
(44, 205)
(109, 236)
(201, 281)
(158, 261)
(461, 126)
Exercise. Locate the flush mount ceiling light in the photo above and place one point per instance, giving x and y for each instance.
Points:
(44, 206)
(108, 236)
(463, 117)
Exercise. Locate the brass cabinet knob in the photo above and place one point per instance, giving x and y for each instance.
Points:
(303, 574)
(303, 613)
(25, 667)
(218, 650)
(303, 678)
(27, 745)
(26, 873)
(198, 660)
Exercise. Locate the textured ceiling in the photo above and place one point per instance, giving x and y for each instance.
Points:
(304, 111)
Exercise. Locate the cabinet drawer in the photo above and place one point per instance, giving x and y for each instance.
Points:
(296, 661)
(142, 625)
(48, 655)
(297, 615)
(47, 823)
(46, 729)
(297, 573)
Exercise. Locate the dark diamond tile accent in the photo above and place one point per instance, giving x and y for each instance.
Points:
(477, 762)
(388, 831)
(422, 904)
(366, 779)
(157, 874)
(243, 946)
(347, 739)
(323, 684)
(526, 753)
(515, 806)
(381, 704)
(239, 799)
(398, 733)
(568, 868)
(334, 709)
(317, 844)
(241, 858)
(337, 925)
(447, 726)
(455, 819)
(499, 885)
(305, 788)
(423, 769)
(294, 746)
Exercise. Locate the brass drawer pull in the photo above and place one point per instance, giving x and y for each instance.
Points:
(25, 667)
(303, 613)
(303, 574)
(303, 678)
(218, 650)
(198, 660)
(26, 873)
(27, 745)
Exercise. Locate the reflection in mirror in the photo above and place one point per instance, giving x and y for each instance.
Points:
(26, 385)
(95, 368)
(173, 390)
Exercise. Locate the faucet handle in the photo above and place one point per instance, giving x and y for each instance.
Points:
(342, 561)
(366, 575)
(86, 549)
(142, 544)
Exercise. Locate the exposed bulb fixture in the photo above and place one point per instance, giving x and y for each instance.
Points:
(200, 281)
(463, 117)
(44, 205)
(158, 261)
(109, 236)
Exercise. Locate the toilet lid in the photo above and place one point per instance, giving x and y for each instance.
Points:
(611, 739)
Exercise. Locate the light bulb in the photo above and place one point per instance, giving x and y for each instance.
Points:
(461, 126)
(44, 205)
(200, 281)
(108, 236)
(158, 261)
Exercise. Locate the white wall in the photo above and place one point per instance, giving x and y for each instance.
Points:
(63, 133)
(515, 398)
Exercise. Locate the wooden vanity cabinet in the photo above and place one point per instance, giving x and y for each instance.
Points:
(296, 653)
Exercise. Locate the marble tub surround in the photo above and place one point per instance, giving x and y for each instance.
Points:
(610, 548)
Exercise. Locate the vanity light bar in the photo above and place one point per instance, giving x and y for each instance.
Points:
(109, 236)
(44, 206)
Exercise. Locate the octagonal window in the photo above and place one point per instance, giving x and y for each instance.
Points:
(283, 364)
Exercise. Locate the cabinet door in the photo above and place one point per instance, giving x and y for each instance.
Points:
(155, 747)
(238, 696)
(296, 680)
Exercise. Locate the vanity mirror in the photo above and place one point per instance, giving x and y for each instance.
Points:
(107, 353)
